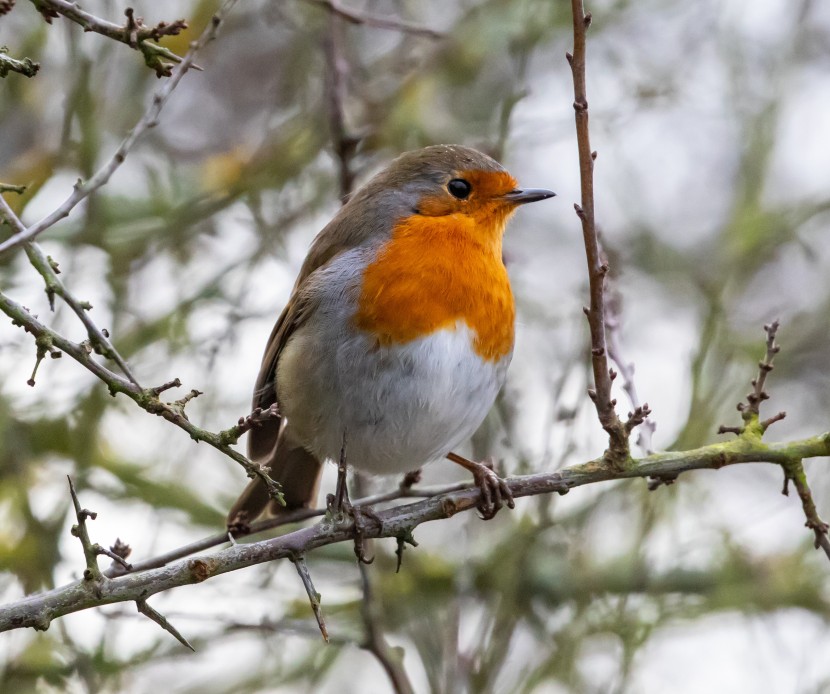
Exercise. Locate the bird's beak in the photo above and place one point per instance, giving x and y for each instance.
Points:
(520, 197)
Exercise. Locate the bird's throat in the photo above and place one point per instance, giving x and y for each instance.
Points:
(434, 272)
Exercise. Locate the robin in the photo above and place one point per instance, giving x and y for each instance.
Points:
(398, 333)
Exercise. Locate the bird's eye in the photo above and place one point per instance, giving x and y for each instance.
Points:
(459, 188)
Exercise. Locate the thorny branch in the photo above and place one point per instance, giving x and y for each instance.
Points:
(134, 33)
(146, 398)
(98, 340)
(149, 120)
(618, 453)
(38, 610)
(92, 573)
(753, 428)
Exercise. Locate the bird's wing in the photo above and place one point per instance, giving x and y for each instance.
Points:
(295, 468)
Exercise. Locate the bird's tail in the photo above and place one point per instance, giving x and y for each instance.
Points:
(297, 470)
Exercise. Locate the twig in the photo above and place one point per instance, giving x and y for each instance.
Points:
(336, 74)
(355, 17)
(98, 338)
(758, 394)
(11, 188)
(751, 409)
(148, 120)
(146, 398)
(79, 530)
(134, 33)
(161, 620)
(313, 596)
(618, 448)
(389, 658)
(25, 66)
(795, 471)
(245, 424)
(38, 610)
(49, 271)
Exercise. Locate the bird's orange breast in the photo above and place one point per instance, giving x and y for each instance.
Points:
(433, 272)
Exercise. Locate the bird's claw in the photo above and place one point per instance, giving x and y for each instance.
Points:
(494, 491)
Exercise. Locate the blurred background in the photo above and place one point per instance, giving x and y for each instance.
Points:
(712, 123)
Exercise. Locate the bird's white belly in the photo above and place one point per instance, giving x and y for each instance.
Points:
(400, 406)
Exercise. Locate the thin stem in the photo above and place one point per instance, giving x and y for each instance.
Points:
(618, 450)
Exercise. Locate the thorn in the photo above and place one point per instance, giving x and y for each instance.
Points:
(161, 620)
(569, 58)
(313, 596)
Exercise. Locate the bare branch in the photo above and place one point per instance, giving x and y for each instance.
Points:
(750, 410)
(38, 610)
(92, 571)
(618, 449)
(282, 519)
(795, 471)
(98, 338)
(355, 17)
(758, 394)
(134, 33)
(147, 121)
(245, 424)
(146, 398)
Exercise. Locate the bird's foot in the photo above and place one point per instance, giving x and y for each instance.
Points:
(494, 490)
(360, 516)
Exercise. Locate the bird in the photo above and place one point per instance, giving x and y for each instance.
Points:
(397, 335)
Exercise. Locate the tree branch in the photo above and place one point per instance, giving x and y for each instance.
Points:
(39, 610)
(146, 398)
(148, 120)
(134, 33)
(355, 17)
(618, 453)
(25, 66)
